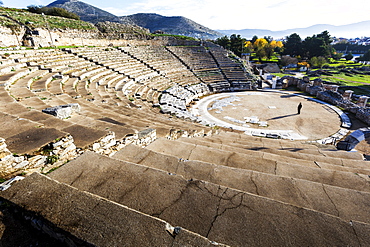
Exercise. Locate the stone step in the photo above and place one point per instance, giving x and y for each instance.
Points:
(258, 163)
(319, 159)
(355, 166)
(32, 140)
(344, 203)
(89, 220)
(12, 125)
(270, 145)
(210, 210)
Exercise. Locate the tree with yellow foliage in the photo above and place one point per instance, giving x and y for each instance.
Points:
(264, 48)
(260, 48)
(248, 46)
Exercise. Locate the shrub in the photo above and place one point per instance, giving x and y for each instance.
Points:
(54, 11)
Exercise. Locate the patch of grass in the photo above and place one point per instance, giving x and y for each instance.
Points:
(52, 159)
(348, 80)
(39, 21)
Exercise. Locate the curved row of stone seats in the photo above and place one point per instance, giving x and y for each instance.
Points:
(349, 163)
(78, 65)
(122, 62)
(161, 60)
(87, 219)
(235, 73)
(278, 146)
(215, 211)
(119, 113)
(40, 99)
(42, 83)
(176, 99)
(200, 61)
(30, 100)
(9, 65)
(303, 193)
(345, 177)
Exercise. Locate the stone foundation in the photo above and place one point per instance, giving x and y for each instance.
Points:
(52, 155)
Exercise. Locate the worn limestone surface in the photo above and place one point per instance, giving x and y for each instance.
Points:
(266, 163)
(89, 219)
(299, 192)
(208, 209)
(32, 140)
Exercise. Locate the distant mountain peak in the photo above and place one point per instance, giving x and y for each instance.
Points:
(171, 24)
(353, 30)
(152, 21)
(63, 1)
(85, 11)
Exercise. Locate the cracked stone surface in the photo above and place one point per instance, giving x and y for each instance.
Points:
(275, 152)
(223, 214)
(92, 219)
(317, 196)
(280, 167)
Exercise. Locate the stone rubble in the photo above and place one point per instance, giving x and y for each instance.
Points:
(54, 154)
(176, 99)
(63, 111)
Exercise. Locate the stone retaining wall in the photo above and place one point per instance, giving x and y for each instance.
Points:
(69, 37)
(53, 154)
(327, 93)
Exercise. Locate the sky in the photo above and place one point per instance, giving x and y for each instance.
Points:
(273, 15)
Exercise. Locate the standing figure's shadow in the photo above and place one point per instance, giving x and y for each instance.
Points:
(280, 117)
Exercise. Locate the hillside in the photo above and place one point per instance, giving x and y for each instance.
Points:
(38, 21)
(171, 24)
(86, 11)
(348, 31)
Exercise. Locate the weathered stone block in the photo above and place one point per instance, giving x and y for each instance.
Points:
(63, 111)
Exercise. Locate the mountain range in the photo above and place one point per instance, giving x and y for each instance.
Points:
(354, 30)
(183, 26)
(172, 25)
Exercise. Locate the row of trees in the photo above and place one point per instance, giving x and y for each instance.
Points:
(263, 47)
(315, 46)
(54, 11)
(315, 49)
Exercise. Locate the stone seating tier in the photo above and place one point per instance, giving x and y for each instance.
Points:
(273, 164)
(126, 226)
(178, 200)
(302, 193)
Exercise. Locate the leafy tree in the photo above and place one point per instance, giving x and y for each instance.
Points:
(318, 61)
(248, 46)
(255, 37)
(293, 45)
(237, 44)
(54, 11)
(337, 55)
(326, 37)
(268, 38)
(260, 48)
(365, 57)
(318, 45)
(349, 56)
(224, 42)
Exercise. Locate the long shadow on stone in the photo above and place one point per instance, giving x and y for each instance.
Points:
(280, 117)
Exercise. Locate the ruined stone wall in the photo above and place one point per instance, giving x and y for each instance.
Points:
(327, 94)
(46, 38)
(11, 38)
